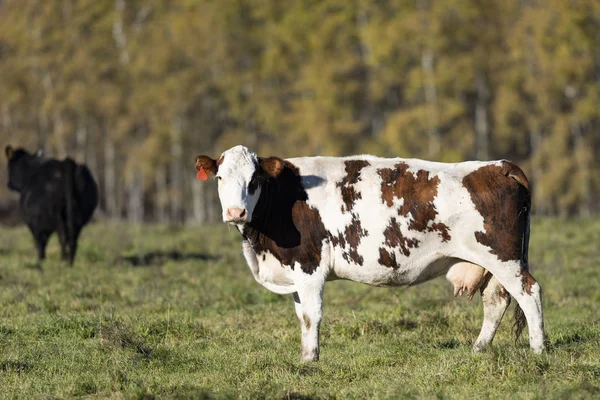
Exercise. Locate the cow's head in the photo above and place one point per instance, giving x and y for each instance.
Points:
(240, 175)
(20, 166)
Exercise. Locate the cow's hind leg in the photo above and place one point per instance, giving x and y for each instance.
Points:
(41, 240)
(528, 294)
(64, 246)
(72, 242)
(68, 243)
(308, 301)
(495, 302)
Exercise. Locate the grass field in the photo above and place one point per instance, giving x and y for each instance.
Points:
(159, 312)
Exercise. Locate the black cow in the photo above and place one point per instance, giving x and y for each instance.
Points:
(55, 196)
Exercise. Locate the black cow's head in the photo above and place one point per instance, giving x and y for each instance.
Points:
(21, 164)
(240, 174)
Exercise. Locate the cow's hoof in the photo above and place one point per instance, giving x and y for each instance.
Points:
(479, 348)
(538, 350)
(309, 356)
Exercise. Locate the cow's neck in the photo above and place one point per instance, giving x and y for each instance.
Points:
(284, 225)
(272, 219)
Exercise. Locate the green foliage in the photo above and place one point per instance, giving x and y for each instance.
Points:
(161, 81)
(164, 312)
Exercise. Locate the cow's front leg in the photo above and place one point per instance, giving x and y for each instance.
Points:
(298, 308)
(308, 301)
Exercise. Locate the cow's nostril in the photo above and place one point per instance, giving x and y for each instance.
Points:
(243, 213)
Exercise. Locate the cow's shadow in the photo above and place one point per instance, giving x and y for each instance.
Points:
(161, 257)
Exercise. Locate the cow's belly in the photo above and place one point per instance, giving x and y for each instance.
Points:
(411, 271)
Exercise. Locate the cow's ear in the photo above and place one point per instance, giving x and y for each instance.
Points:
(272, 166)
(8, 150)
(206, 167)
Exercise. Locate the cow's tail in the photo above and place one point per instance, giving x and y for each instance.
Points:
(70, 196)
(512, 171)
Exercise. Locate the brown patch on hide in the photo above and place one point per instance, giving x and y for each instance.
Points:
(351, 236)
(418, 192)
(307, 321)
(501, 195)
(346, 185)
(528, 281)
(272, 166)
(284, 224)
(394, 238)
(387, 259)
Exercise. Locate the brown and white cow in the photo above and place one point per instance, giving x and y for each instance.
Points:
(383, 222)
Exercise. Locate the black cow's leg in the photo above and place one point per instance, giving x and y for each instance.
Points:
(64, 246)
(41, 240)
(72, 244)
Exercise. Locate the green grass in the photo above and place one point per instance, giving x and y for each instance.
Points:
(159, 312)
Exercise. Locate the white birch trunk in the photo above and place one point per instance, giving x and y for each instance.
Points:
(176, 169)
(583, 168)
(429, 88)
(199, 202)
(81, 139)
(162, 196)
(118, 32)
(481, 117)
(110, 178)
(135, 206)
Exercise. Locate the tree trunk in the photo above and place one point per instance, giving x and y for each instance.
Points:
(584, 181)
(118, 32)
(43, 127)
(199, 202)
(481, 117)
(176, 169)
(135, 207)
(59, 134)
(81, 138)
(535, 132)
(429, 87)
(110, 178)
(213, 204)
(6, 119)
(162, 196)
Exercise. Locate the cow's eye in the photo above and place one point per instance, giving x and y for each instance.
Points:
(219, 178)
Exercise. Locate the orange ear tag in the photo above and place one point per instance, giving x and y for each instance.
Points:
(201, 175)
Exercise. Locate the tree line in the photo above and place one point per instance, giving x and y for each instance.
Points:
(137, 88)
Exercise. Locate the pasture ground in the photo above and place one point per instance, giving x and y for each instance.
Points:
(160, 312)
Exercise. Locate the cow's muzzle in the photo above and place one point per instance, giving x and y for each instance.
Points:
(236, 215)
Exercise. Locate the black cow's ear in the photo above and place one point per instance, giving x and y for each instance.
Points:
(8, 150)
(272, 166)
